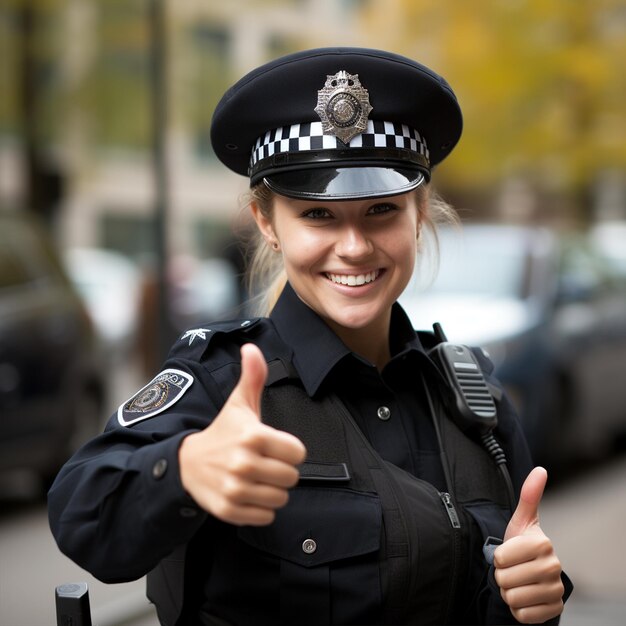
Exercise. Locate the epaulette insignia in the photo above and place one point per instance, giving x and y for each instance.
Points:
(195, 332)
(159, 394)
(193, 343)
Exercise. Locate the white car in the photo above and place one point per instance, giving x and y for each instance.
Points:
(552, 316)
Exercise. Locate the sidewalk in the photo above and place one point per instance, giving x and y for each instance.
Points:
(586, 521)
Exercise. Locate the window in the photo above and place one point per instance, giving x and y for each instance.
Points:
(208, 54)
(132, 235)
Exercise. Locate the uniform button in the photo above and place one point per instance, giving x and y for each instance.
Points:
(187, 511)
(383, 413)
(309, 546)
(159, 469)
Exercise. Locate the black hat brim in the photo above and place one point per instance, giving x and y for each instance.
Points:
(344, 183)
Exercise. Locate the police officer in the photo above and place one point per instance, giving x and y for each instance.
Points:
(306, 466)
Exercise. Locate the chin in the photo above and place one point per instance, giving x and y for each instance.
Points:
(354, 322)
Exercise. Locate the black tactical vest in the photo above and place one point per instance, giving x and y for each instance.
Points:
(360, 541)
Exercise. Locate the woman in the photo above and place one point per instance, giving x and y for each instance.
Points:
(308, 467)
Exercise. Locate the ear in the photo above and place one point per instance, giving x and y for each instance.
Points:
(263, 223)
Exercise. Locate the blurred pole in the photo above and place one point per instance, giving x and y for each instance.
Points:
(43, 179)
(27, 100)
(159, 101)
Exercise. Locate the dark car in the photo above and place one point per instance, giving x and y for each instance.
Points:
(552, 316)
(51, 387)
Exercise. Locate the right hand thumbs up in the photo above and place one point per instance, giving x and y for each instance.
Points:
(239, 469)
(252, 379)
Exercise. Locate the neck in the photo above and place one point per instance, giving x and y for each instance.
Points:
(370, 343)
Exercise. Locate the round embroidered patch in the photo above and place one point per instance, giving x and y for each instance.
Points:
(159, 394)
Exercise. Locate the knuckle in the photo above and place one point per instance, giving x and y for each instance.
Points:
(242, 463)
(267, 517)
(544, 545)
(260, 517)
(553, 568)
(254, 437)
(500, 577)
(558, 607)
(282, 498)
(559, 590)
(250, 437)
(300, 451)
(232, 489)
(513, 598)
(504, 594)
(292, 476)
(522, 614)
(225, 511)
(499, 556)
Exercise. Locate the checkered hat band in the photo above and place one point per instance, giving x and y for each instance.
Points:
(310, 136)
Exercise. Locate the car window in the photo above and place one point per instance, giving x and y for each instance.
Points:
(582, 273)
(479, 262)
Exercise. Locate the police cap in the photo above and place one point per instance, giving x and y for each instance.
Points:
(337, 123)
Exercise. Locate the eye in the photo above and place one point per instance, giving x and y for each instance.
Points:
(316, 213)
(383, 207)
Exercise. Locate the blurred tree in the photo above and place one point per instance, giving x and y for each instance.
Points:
(205, 50)
(33, 97)
(116, 91)
(8, 70)
(40, 46)
(540, 82)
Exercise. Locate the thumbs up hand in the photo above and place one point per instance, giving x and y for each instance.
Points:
(527, 568)
(239, 469)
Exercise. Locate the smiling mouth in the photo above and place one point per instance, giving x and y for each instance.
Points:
(353, 280)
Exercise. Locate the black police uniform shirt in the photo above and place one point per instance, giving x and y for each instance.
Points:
(118, 507)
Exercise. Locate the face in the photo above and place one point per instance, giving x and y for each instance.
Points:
(349, 261)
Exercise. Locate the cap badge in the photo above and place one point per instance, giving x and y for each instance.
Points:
(343, 106)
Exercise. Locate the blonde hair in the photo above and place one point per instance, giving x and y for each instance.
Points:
(266, 276)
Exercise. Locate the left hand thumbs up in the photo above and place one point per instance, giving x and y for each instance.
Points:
(527, 568)
(526, 515)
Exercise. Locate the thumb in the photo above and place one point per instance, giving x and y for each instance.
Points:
(526, 514)
(252, 380)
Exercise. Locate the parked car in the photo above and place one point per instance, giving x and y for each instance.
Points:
(608, 239)
(204, 290)
(552, 316)
(51, 386)
(110, 285)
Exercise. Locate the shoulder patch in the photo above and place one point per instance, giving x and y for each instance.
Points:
(162, 392)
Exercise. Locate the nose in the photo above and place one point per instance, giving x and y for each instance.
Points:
(353, 243)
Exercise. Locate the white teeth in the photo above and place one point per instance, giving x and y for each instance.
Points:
(352, 280)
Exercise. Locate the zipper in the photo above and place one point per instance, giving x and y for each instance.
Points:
(455, 522)
(450, 510)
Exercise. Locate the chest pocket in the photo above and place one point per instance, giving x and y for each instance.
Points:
(326, 541)
(365, 540)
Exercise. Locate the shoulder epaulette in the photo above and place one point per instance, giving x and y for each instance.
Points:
(193, 343)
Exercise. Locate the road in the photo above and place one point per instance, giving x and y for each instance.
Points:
(584, 516)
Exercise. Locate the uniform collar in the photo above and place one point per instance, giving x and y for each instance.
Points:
(317, 349)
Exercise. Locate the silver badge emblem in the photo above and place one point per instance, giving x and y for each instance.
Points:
(343, 105)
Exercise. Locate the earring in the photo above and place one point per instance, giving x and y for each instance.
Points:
(275, 246)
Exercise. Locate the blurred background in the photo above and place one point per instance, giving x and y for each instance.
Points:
(119, 229)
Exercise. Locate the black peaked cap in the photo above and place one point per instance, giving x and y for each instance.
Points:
(285, 91)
